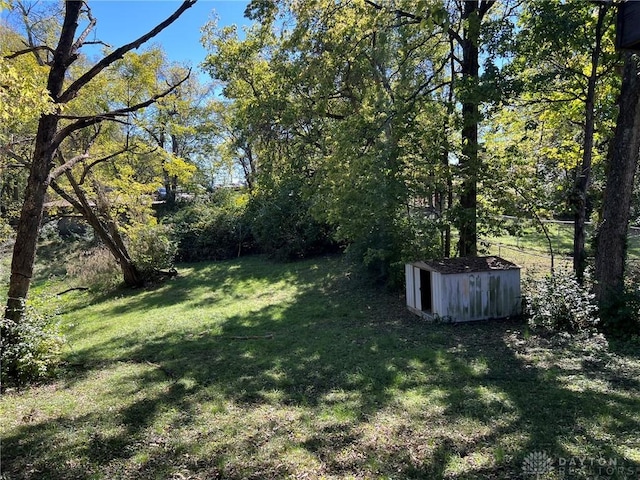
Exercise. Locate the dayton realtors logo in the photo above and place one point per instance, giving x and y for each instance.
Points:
(540, 464)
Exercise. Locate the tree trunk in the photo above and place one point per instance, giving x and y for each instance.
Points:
(24, 251)
(106, 230)
(583, 174)
(469, 167)
(612, 234)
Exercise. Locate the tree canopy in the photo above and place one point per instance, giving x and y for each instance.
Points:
(397, 130)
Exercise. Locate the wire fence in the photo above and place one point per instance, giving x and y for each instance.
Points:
(530, 249)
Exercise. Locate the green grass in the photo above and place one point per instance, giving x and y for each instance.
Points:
(529, 247)
(252, 369)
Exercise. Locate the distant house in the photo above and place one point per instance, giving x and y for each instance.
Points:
(463, 289)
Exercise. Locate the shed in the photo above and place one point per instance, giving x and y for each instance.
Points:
(628, 26)
(463, 289)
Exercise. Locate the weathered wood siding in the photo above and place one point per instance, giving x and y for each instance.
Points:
(411, 285)
(475, 296)
(462, 297)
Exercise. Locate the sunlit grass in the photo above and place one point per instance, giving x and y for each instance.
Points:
(253, 369)
(529, 247)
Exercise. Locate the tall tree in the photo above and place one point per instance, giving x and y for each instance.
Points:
(622, 165)
(347, 102)
(54, 128)
(473, 13)
(177, 125)
(583, 174)
(565, 59)
(465, 25)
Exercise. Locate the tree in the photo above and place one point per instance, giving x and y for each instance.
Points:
(622, 165)
(55, 127)
(345, 103)
(177, 125)
(565, 60)
(473, 14)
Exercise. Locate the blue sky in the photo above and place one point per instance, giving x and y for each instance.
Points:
(120, 22)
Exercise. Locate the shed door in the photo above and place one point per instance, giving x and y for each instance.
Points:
(408, 275)
(417, 292)
(425, 291)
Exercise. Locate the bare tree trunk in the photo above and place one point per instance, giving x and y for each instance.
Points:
(583, 174)
(469, 168)
(24, 251)
(612, 234)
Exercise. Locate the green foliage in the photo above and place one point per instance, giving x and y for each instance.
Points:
(31, 349)
(559, 303)
(344, 127)
(211, 229)
(283, 225)
(536, 140)
(620, 312)
(22, 93)
(151, 247)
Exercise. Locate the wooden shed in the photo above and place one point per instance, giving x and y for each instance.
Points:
(628, 26)
(463, 289)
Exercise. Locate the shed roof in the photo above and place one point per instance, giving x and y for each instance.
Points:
(467, 265)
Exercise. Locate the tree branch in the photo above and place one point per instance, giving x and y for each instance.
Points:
(418, 18)
(485, 6)
(74, 203)
(82, 122)
(68, 165)
(11, 154)
(83, 36)
(29, 50)
(88, 168)
(118, 53)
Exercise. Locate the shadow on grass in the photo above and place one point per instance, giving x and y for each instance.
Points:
(340, 382)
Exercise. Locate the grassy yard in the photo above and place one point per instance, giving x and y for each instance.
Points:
(257, 370)
(529, 247)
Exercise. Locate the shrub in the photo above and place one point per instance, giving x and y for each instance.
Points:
(283, 226)
(214, 229)
(386, 247)
(30, 349)
(559, 303)
(151, 248)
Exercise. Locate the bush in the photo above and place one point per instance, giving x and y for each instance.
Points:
(212, 230)
(151, 248)
(30, 349)
(386, 247)
(283, 226)
(559, 303)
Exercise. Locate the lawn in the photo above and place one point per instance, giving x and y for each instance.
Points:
(528, 246)
(254, 369)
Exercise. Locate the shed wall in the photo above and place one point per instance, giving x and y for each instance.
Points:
(475, 296)
(465, 297)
